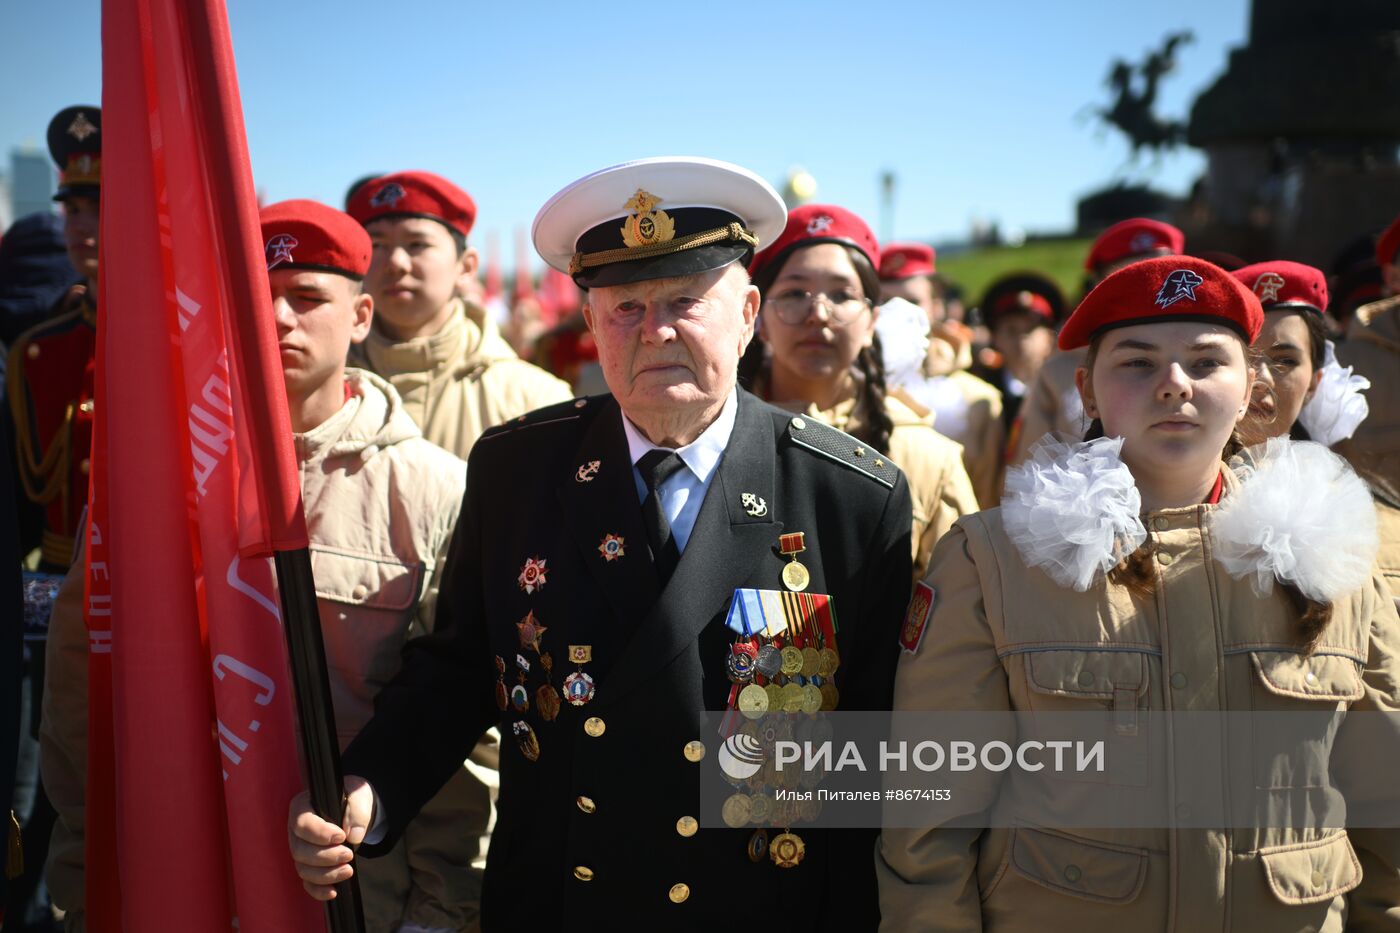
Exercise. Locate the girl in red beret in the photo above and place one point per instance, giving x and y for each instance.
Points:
(820, 354)
(1147, 570)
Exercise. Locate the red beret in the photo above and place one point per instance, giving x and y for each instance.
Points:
(1388, 244)
(1283, 284)
(905, 261)
(818, 223)
(1163, 290)
(1023, 291)
(1137, 236)
(414, 194)
(310, 235)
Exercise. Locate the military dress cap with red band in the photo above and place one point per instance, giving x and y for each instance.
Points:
(1281, 284)
(1136, 236)
(310, 235)
(906, 261)
(658, 218)
(1388, 245)
(414, 194)
(1024, 291)
(75, 143)
(1164, 290)
(818, 223)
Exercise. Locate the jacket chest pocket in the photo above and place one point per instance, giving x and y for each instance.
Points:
(367, 610)
(1297, 702)
(1094, 696)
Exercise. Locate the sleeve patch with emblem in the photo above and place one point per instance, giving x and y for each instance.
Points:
(911, 634)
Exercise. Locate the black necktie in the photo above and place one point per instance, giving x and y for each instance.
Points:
(656, 466)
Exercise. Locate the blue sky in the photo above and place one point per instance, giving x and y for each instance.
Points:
(977, 107)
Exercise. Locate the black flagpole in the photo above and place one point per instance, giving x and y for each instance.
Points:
(315, 716)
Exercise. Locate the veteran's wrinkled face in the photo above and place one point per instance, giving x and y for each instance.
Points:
(670, 348)
(1173, 391)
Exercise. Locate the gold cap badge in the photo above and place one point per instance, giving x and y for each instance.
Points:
(646, 226)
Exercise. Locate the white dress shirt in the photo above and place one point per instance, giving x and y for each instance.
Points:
(683, 491)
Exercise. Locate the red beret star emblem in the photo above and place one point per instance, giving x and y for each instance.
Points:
(279, 249)
(1180, 284)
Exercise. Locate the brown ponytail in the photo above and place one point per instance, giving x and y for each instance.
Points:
(877, 423)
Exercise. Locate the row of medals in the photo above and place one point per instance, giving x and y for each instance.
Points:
(799, 681)
(578, 686)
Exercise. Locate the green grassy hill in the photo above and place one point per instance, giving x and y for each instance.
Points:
(1060, 260)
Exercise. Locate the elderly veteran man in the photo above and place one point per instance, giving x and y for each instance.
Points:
(608, 570)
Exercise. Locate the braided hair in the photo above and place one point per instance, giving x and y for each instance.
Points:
(877, 425)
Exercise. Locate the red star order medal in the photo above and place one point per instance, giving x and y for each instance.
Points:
(530, 631)
(612, 547)
(532, 577)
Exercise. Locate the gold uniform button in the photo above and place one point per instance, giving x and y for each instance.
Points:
(687, 826)
(32, 351)
(1164, 559)
(583, 873)
(594, 726)
(85, 466)
(586, 804)
(694, 751)
(1160, 524)
(679, 892)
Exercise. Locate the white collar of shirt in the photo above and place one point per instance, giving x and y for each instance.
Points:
(703, 454)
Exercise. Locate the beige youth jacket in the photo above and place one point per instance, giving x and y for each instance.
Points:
(461, 380)
(1004, 636)
(938, 482)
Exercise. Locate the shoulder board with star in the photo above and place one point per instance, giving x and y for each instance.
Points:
(561, 413)
(828, 442)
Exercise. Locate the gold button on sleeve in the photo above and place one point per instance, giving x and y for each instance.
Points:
(679, 892)
(594, 726)
(687, 826)
(694, 751)
(583, 873)
(586, 804)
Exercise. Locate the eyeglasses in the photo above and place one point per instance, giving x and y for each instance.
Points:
(794, 305)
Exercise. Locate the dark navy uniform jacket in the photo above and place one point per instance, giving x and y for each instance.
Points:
(658, 664)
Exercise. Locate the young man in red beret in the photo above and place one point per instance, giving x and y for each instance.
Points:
(1372, 347)
(455, 372)
(1052, 404)
(381, 505)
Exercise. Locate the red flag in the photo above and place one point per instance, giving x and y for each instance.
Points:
(194, 754)
(493, 268)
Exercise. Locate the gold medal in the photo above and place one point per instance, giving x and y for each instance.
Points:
(775, 696)
(786, 850)
(811, 699)
(753, 701)
(792, 660)
(792, 698)
(736, 811)
(761, 809)
(828, 661)
(810, 661)
(830, 696)
(796, 577)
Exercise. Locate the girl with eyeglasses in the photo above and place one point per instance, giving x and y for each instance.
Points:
(819, 353)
